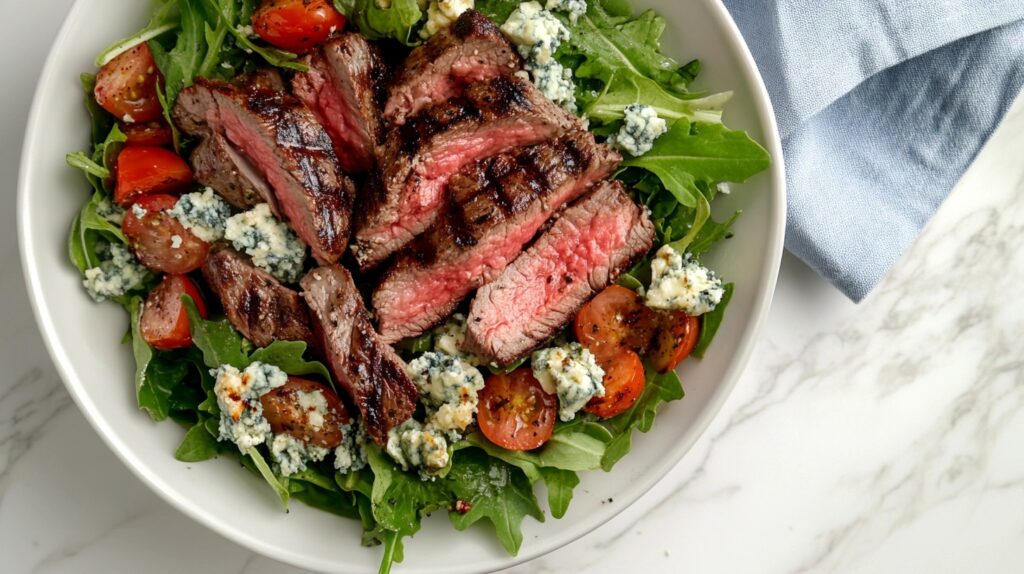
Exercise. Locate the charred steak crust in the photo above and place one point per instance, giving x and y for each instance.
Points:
(472, 49)
(420, 156)
(287, 147)
(585, 249)
(369, 371)
(258, 305)
(496, 207)
(218, 165)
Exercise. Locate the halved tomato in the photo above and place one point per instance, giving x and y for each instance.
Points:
(515, 412)
(287, 414)
(126, 86)
(164, 322)
(159, 240)
(155, 133)
(296, 25)
(147, 169)
(623, 384)
(675, 340)
(615, 319)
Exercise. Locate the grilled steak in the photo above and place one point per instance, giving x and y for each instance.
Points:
(498, 205)
(254, 301)
(367, 369)
(344, 87)
(584, 251)
(471, 50)
(219, 165)
(420, 156)
(285, 144)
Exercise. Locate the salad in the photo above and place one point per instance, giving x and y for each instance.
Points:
(339, 384)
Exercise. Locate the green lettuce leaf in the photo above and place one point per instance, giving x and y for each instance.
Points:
(288, 356)
(155, 377)
(218, 340)
(396, 22)
(560, 484)
(659, 388)
(626, 89)
(255, 458)
(198, 445)
(710, 322)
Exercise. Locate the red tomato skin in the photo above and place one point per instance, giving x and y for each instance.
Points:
(126, 86)
(515, 412)
(624, 382)
(296, 25)
(151, 236)
(143, 170)
(155, 133)
(676, 338)
(164, 322)
(615, 319)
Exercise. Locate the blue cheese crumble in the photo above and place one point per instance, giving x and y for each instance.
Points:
(272, 245)
(291, 455)
(110, 211)
(203, 213)
(441, 13)
(640, 128)
(574, 8)
(413, 445)
(448, 390)
(238, 396)
(554, 81)
(350, 455)
(570, 371)
(535, 31)
(118, 272)
(449, 336)
(679, 282)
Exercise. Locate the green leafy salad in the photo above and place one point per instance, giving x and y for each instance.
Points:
(595, 58)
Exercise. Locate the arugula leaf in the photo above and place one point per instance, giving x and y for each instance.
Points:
(319, 490)
(624, 89)
(497, 10)
(395, 22)
(163, 20)
(180, 64)
(268, 475)
(658, 389)
(155, 378)
(494, 491)
(712, 232)
(710, 322)
(700, 217)
(560, 485)
(87, 230)
(287, 355)
(100, 120)
(218, 340)
(197, 445)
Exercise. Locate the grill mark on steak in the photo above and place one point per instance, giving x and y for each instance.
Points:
(495, 207)
(369, 371)
(219, 166)
(585, 249)
(257, 304)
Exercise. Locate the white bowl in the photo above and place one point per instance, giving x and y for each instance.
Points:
(84, 338)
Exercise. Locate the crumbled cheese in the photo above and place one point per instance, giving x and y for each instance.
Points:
(570, 371)
(226, 65)
(128, 119)
(384, 4)
(238, 396)
(681, 283)
(291, 454)
(441, 13)
(110, 211)
(448, 390)
(640, 128)
(272, 245)
(413, 445)
(139, 211)
(118, 272)
(535, 31)
(350, 455)
(575, 8)
(554, 81)
(724, 188)
(314, 404)
(448, 339)
(203, 213)
(246, 30)
(175, 241)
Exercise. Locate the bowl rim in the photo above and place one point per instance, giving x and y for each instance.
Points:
(44, 320)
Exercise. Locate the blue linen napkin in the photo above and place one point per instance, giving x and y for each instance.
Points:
(882, 105)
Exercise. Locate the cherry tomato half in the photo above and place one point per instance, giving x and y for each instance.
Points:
(160, 241)
(615, 319)
(676, 337)
(515, 412)
(155, 133)
(286, 413)
(164, 322)
(146, 169)
(623, 383)
(296, 25)
(126, 86)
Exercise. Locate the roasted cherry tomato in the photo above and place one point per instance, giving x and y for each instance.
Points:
(296, 25)
(515, 412)
(126, 86)
(160, 241)
(676, 337)
(623, 383)
(615, 319)
(146, 169)
(164, 322)
(287, 412)
(155, 133)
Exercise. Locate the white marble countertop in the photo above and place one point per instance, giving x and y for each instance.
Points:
(882, 437)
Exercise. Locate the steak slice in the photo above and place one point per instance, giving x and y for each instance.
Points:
(344, 87)
(584, 251)
(472, 49)
(258, 305)
(418, 157)
(286, 145)
(498, 205)
(219, 165)
(367, 369)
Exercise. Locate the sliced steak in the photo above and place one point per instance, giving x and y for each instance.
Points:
(369, 371)
(219, 165)
(498, 205)
(419, 157)
(344, 87)
(472, 49)
(584, 251)
(285, 144)
(258, 305)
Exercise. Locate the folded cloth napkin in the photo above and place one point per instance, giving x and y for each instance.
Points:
(882, 105)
